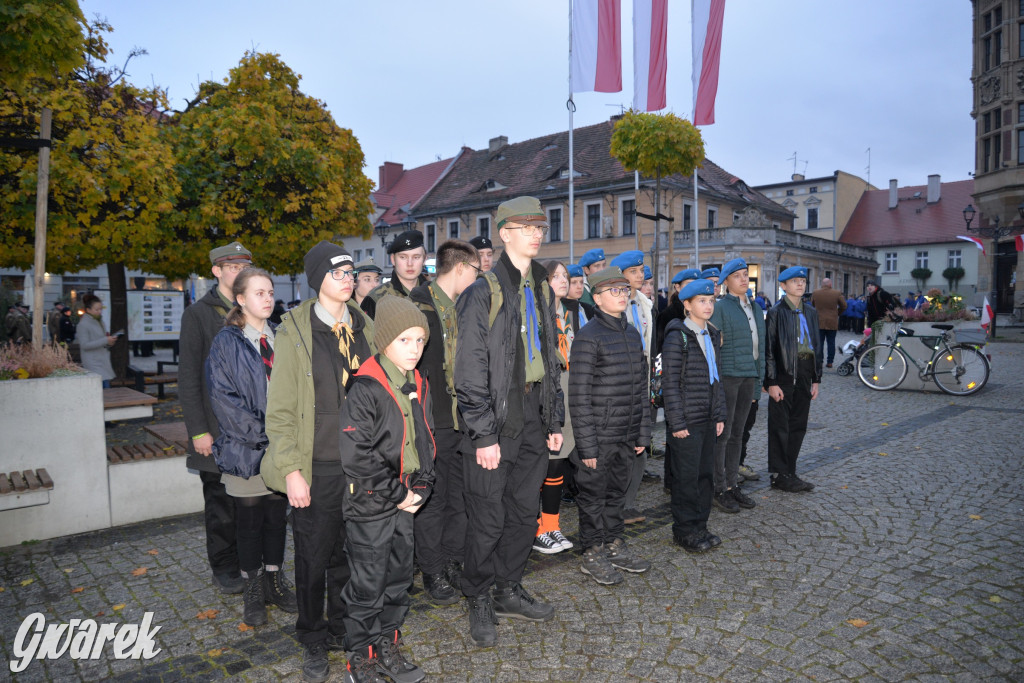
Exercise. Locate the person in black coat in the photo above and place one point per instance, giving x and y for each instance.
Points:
(238, 370)
(608, 402)
(695, 413)
(792, 374)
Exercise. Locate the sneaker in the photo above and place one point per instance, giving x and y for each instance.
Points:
(749, 474)
(742, 499)
(713, 541)
(512, 600)
(482, 620)
(393, 664)
(253, 604)
(315, 666)
(547, 545)
(807, 486)
(632, 516)
(693, 542)
(363, 667)
(229, 583)
(787, 483)
(278, 590)
(725, 502)
(622, 557)
(439, 590)
(559, 538)
(453, 573)
(596, 565)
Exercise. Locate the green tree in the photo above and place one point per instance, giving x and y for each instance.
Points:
(657, 145)
(262, 162)
(40, 41)
(921, 276)
(111, 175)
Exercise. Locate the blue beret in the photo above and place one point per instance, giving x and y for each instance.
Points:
(791, 272)
(731, 267)
(696, 288)
(647, 273)
(628, 259)
(710, 272)
(592, 257)
(574, 270)
(688, 274)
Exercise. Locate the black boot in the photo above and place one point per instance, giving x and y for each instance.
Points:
(362, 667)
(393, 664)
(512, 600)
(482, 620)
(277, 590)
(453, 572)
(255, 606)
(439, 589)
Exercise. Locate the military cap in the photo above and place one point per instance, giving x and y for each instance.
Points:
(525, 210)
(481, 242)
(607, 277)
(230, 252)
(367, 266)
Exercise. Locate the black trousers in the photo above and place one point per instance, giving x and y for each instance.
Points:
(787, 419)
(320, 561)
(503, 505)
(751, 419)
(219, 516)
(830, 336)
(440, 526)
(602, 494)
(693, 483)
(380, 554)
(262, 528)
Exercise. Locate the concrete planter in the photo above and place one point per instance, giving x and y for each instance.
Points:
(55, 423)
(920, 346)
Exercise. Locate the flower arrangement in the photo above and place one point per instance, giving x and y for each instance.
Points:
(941, 308)
(22, 361)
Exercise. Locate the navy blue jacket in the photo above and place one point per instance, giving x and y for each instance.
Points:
(237, 381)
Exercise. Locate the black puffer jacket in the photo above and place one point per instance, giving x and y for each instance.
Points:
(782, 330)
(490, 368)
(690, 399)
(608, 391)
(432, 361)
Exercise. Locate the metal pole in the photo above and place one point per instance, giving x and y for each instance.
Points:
(696, 222)
(995, 288)
(39, 267)
(572, 106)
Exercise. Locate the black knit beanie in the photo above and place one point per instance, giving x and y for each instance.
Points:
(323, 257)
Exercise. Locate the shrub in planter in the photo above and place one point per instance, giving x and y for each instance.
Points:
(940, 308)
(953, 275)
(22, 361)
(921, 275)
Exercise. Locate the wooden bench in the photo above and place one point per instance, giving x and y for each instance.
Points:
(140, 379)
(122, 403)
(25, 488)
(118, 455)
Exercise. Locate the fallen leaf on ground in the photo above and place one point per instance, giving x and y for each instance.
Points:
(885, 424)
(2, 589)
(77, 590)
(243, 627)
(215, 652)
(995, 598)
(846, 487)
(140, 571)
(208, 614)
(883, 454)
(101, 614)
(974, 516)
(153, 552)
(118, 608)
(859, 623)
(27, 582)
(68, 571)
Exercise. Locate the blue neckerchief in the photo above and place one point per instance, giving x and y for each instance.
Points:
(804, 332)
(709, 354)
(583, 317)
(532, 327)
(636, 323)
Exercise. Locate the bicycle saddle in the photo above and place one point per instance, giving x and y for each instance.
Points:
(943, 327)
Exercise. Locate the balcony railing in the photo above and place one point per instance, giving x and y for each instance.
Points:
(770, 237)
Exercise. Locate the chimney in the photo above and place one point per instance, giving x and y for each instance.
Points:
(893, 199)
(497, 143)
(934, 188)
(797, 177)
(390, 172)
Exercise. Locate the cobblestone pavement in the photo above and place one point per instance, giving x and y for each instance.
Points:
(905, 563)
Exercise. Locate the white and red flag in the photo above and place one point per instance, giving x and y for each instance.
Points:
(977, 242)
(707, 49)
(596, 45)
(986, 314)
(1019, 242)
(650, 54)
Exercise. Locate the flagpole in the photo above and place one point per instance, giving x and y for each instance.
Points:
(696, 222)
(571, 106)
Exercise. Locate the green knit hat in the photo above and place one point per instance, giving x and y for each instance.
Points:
(394, 316)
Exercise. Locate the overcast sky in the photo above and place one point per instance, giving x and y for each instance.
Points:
(415, 80)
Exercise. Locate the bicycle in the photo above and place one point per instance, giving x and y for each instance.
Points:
(958, 369)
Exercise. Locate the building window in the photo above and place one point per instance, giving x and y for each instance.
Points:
(812, 219)
(992, 44)
(369, 254)
(627, 217)
(686, 217)
(431, 237)
(890, 261)
(593, 221)
(955, 259)
(813, 189)
(453, 230)
(483, 226)
(357, 255)
(555, 222)
(921, 259)
(1020, 145)
(712, 218)
(828, 274)
(789, 193)
(1020, 38)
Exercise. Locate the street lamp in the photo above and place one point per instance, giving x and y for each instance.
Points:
(382, 231)
(995, 233)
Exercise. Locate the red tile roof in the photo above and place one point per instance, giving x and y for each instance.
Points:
(403, 196)
(914, 220)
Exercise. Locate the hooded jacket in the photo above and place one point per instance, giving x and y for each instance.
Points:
(237, 380)
(373, 445)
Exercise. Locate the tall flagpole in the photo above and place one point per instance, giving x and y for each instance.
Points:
(696, 222)
(571, 106)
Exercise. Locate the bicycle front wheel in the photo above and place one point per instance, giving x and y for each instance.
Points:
(882, 367)
(961, 371)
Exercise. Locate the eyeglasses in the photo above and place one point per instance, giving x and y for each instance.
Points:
(474, 267)
(342, 274)
(529, 230)
(615, 291)
(234, 267)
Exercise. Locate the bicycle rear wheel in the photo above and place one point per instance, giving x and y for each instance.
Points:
(882, 367)
(963, 370)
